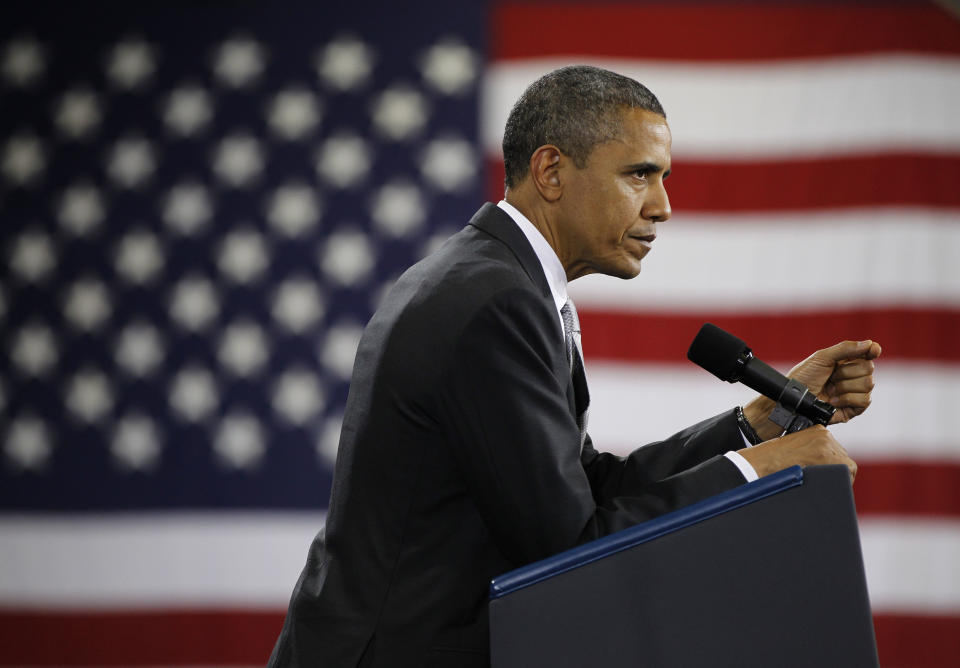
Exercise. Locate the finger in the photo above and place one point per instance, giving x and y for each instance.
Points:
(847, 413)
(843, 415)
(863, 384)
(847, 350)
(857, 400)
(851, 466)
(873, 352)
(854, 369)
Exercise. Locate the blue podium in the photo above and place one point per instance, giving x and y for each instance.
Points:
(768, 574)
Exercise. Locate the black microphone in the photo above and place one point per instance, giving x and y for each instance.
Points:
(730, 359)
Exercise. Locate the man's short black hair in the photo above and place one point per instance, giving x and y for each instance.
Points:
(574, 108)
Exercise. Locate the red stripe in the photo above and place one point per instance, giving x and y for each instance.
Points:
(245, 638)
(904, 333)
(718, 32)
(924, 180)
(124, 638)
(863, 180)
(930, 489)
(908, 641)
(495, 173)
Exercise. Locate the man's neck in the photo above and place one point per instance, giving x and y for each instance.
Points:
(552, 268)
(537, 217)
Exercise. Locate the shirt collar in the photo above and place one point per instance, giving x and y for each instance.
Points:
(552, 269)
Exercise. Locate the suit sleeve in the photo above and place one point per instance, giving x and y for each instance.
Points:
(503, 403)
(612, 475)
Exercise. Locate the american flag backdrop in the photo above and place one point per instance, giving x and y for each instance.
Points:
(201, 205)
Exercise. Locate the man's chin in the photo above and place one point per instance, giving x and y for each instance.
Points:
(626, 270)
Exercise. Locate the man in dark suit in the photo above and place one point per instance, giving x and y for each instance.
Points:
(463, 452)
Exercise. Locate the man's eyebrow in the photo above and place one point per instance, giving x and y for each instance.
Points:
(647, 167)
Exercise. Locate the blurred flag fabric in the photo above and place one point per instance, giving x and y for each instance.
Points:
(200, 207)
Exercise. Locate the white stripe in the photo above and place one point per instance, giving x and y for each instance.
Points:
(240, 561)
(787, 108)
(909, 418)
(912, 566)
(153, 560)
(821, 259)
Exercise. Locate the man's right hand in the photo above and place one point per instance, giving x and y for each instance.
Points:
(814, 446)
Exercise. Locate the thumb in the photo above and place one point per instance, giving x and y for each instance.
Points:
(846, 350)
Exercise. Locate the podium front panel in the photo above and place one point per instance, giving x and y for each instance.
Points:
(778, 582)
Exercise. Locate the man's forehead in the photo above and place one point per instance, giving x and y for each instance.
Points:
(643, 136)
(645, 126)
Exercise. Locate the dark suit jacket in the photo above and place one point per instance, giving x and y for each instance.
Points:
(460, 459)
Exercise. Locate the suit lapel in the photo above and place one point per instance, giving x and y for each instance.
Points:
(494, 221)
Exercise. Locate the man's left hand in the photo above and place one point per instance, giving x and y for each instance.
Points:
(841, 375)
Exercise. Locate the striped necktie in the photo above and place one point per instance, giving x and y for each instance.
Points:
(571, 338)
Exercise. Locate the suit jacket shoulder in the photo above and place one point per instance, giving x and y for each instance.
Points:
(422, 318)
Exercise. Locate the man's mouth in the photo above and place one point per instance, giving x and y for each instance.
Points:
(645, 239)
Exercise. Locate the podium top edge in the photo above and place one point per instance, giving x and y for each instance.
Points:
(646, 531)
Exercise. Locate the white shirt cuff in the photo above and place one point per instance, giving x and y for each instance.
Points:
(748, 472)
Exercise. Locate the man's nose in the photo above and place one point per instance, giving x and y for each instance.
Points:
(656, 206)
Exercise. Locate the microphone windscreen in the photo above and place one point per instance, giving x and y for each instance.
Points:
(717, 351)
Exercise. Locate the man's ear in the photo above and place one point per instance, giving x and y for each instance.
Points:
(545, 171)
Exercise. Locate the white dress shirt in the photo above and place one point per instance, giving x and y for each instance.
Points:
(557, 280)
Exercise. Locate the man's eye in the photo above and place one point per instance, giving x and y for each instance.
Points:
(641, 173)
